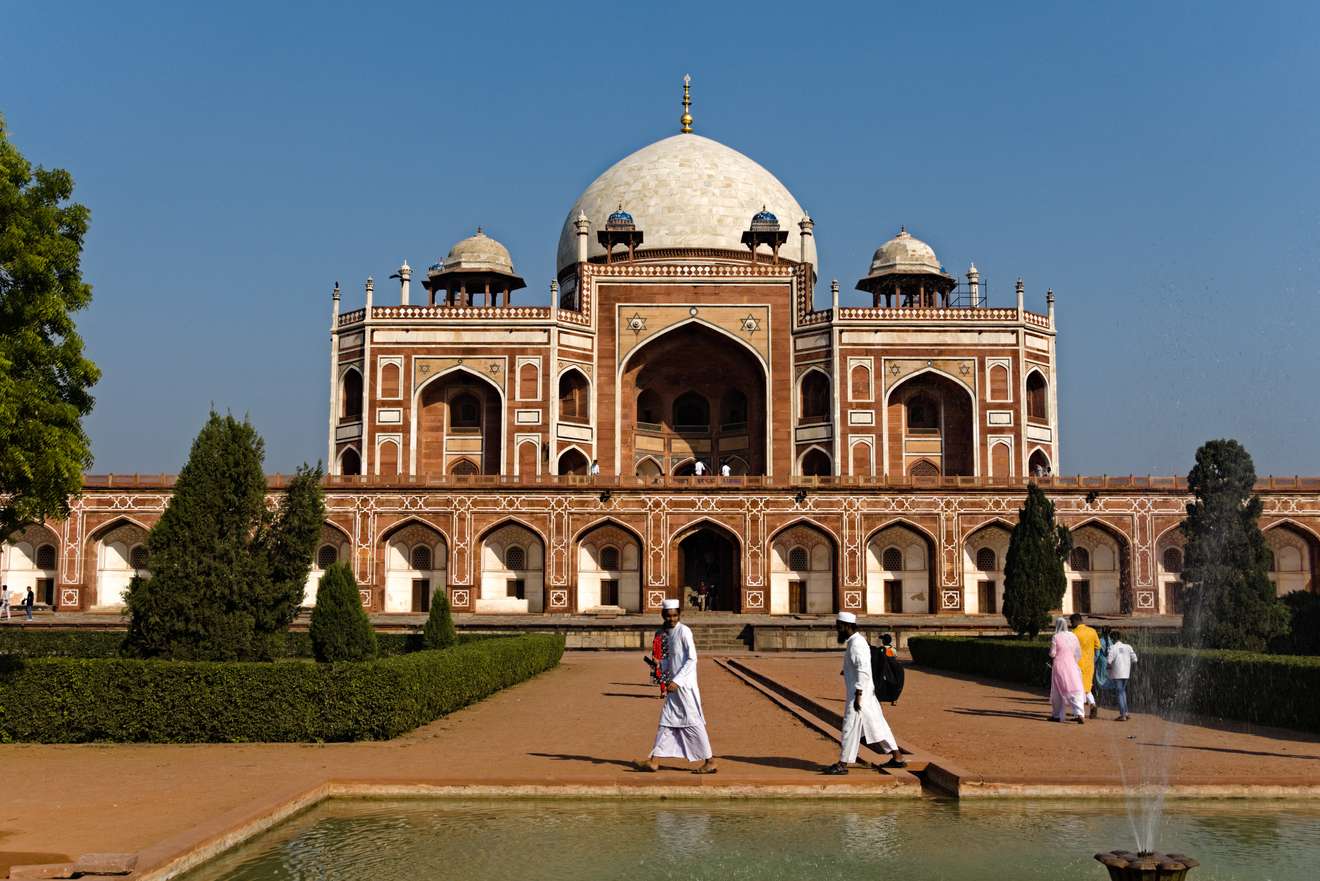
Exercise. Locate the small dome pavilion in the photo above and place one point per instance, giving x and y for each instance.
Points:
(906, 273)
(477, 266)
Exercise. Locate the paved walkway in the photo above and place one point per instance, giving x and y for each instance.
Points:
(581, 725)
(999, 732)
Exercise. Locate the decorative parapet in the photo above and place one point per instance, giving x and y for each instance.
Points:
(870, 313)
(1078, 483)
(354, 317)
(462, 313)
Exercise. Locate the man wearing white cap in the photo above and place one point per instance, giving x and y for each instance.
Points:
(862, 716)
(682, 732)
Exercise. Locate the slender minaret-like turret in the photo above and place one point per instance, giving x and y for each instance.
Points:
(404, 275)
(974, 286)
(583, 227)
(806, 225)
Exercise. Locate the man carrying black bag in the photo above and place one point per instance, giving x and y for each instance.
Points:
(889, 673)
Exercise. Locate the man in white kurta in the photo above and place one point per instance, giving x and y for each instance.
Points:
(682, 730)
(862, 716)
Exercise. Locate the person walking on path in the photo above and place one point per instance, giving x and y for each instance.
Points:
(4, 600)
(1120, 659)
(28, 602)
(1065, 674)
(862, 716)
(1089, 640)
(682, 730)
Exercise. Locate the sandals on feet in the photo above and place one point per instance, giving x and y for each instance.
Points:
(837, 769)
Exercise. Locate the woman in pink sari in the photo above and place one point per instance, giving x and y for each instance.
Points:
(1066, 688)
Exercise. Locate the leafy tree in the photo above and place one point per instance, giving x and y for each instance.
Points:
(439, 631)
(224, 569)
(1230, 602)
(1034, 582)
(44, 378)
(340, 628)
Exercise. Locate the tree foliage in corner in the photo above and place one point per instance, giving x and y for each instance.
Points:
(1230, 602)
(340, 628)
(45, 381)
(226, 573)
(439, 631)
(1034, 582)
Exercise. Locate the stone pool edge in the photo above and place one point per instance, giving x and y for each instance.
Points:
(181, 853)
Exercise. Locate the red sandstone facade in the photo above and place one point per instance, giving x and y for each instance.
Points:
(794, 459)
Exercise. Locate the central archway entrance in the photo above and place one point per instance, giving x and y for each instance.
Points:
(709, 554)
(692, 394)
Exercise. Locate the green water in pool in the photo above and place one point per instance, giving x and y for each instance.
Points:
(917, 840)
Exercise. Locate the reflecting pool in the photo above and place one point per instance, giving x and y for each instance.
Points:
(914, 840)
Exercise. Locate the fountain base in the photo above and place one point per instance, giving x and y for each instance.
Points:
(1124, 865)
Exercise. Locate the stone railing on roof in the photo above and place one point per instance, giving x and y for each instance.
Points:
(1077, 483)
(909, 313)
(466, 313)
(347, 318)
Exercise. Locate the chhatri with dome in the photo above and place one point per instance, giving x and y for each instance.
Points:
(672, 408)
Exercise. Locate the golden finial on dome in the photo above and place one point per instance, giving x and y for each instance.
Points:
(686, 118)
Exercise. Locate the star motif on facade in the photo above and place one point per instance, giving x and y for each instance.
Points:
(894, 370)
(751, 324)
(964, 369)
(636, 323)
(494, 368)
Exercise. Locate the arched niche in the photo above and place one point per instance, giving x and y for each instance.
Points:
(802, 571)
(898, 571)
(693, 390)
(609, 569)
(416, 566)
(512, 570)
(459, 418)
(931, 420)
(984, 553)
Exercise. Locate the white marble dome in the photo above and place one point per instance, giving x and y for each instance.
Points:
(685, 191)
(904, 254)
(478, 253)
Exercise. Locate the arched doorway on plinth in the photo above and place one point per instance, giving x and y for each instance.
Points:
(710, 553)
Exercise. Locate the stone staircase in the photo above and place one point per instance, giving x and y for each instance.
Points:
(721, 638)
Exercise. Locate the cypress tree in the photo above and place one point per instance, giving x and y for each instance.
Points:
(287, 541)
(439, 631)
(340, 628)
(193, 604)
(227, 574)
(1230, 602)
(1034, 582)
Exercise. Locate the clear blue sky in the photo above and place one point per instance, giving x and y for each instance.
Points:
(1154, 163)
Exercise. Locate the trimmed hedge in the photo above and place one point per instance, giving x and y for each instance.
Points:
(81, 700)
(23, 642)
(1243, 686)
(33, 643)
